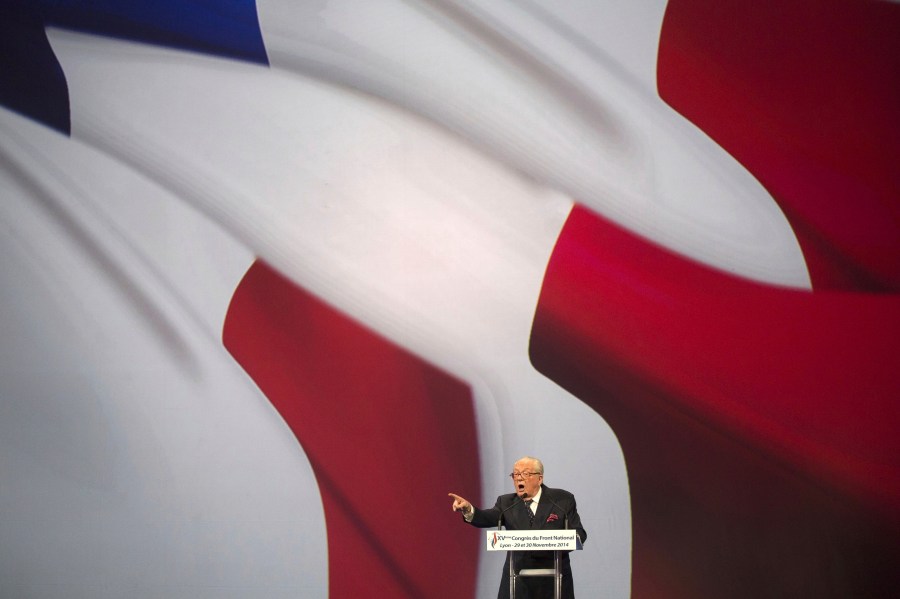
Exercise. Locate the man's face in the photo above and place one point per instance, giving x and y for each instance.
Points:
(526, 486)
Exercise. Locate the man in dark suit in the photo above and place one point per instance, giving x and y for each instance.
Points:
(533, 506)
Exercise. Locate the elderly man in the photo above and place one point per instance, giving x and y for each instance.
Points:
(532, 506)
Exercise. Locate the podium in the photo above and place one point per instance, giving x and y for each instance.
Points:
(556, 541)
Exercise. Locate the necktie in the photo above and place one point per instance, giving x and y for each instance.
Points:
(528, 503)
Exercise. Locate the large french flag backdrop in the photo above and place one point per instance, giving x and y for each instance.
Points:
(277, 276)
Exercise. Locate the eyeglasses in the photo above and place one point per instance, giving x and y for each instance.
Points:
(515, 475)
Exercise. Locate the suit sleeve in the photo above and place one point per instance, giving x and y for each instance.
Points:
(575, 521)
(486, 518)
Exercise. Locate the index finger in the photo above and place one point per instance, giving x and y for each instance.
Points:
(457, 500)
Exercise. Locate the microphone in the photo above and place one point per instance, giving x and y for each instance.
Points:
(509, 507)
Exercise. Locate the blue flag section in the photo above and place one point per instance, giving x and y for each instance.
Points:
(32, 82)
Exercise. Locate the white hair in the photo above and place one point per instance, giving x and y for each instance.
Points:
(538, 465)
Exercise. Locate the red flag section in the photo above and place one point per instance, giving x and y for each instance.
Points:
(805, 94)
(386, 434)
(759, 424)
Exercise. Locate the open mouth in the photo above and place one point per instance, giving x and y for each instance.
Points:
(521, 487)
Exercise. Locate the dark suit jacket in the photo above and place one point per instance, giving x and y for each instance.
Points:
(515, 517)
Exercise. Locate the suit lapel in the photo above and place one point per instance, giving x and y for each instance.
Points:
(543, 509)
(524, 514)
(520, 518)
(517, 517)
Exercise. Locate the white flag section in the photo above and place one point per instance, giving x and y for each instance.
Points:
(410, 165)
(137, 458)
(563, 98)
